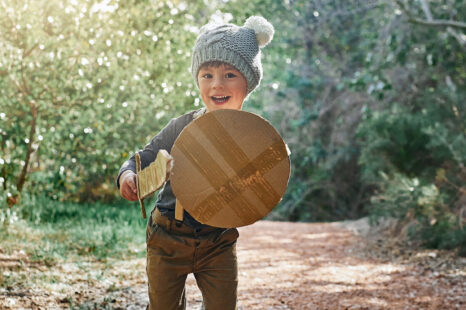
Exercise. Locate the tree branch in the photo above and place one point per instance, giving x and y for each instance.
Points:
(2, 147)
(430, 21)
(426, 9)
(29, 51)
(438, 23)
(23, 79)
(24, 171)
(460, 38)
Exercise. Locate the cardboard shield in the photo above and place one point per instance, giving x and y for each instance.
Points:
(231, 168)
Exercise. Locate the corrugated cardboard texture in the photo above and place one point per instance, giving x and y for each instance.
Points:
(231, 168)
(151, 178)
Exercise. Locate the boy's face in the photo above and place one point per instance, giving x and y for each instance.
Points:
(222, 87)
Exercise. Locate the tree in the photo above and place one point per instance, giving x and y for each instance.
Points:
(84, 83)
(350, 84)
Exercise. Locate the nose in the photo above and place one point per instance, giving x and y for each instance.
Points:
(217, 83)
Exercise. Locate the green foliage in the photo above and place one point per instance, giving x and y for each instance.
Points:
(309, 69)
(424, 207)
(51, 231)
(416, 160)
(369, 96)
(361, 90)
(407, 199)
(415, 137)
(444, 234)
(403, 141)
(85, 83)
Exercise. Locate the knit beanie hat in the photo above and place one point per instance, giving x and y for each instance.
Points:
(235, 45)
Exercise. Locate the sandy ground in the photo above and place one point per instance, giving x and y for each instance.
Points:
(281, 266)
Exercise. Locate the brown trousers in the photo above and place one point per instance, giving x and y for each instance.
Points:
(175, 250)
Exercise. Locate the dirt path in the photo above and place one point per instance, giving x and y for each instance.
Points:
(282, 266)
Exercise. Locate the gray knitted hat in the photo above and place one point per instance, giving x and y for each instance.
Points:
(237, 46)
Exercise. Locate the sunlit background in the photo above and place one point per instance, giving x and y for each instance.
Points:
(369, 96)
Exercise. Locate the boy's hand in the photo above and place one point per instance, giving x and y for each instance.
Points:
(128, 188)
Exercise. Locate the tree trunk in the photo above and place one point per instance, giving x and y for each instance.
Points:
(2, 147)
(24, 171)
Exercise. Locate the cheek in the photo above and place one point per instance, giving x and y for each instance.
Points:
(202, 88)
(244, 86)
(244, 90)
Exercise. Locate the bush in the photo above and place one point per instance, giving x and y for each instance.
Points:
(417, 164)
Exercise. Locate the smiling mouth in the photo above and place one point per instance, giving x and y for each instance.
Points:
(220, 99)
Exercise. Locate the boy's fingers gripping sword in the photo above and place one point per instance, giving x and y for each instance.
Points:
(151, 178)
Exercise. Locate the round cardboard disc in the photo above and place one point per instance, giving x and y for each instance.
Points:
(230, 169)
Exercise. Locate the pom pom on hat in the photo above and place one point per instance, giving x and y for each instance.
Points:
(263, 29)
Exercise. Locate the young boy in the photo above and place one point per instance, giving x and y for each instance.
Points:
(227, 67)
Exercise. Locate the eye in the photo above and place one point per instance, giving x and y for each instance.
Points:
(206, 76)
(230, 75)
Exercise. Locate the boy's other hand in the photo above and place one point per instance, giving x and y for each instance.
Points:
(128, 189)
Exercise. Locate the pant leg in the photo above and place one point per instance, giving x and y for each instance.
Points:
(169, 261)
(166, 285)
(216, 271)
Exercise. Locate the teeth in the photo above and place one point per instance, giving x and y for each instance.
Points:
(220, 99)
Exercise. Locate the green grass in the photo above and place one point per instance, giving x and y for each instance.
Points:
(49, 231)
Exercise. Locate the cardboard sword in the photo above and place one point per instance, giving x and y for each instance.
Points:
(153, 177)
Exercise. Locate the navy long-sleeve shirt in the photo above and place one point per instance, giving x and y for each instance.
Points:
(164, 140)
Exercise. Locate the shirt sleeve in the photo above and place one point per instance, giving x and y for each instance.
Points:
(162, 141)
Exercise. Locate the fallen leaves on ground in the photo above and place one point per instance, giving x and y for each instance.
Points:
(281, 266)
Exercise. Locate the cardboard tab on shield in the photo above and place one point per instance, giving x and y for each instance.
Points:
(231, 168)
